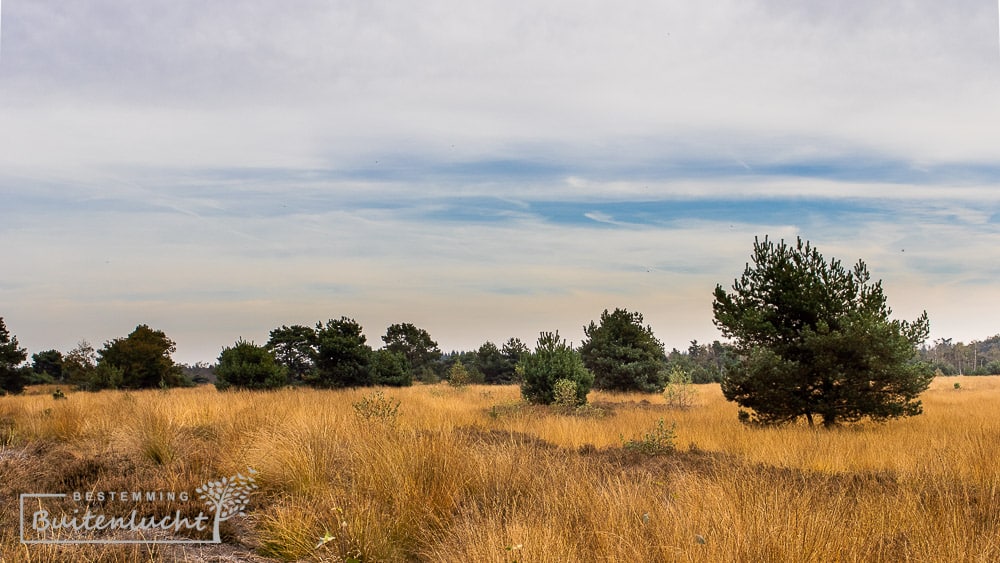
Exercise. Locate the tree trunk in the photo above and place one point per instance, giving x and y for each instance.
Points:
(809, 418)
(829, 420)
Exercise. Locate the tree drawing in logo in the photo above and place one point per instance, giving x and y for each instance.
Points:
(227, 497)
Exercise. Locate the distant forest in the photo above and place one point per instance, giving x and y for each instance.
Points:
(979, 357)
(705, 363)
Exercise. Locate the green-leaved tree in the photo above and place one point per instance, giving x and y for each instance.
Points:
(551, 361)
(140, 361)
(248, 366)
(78, 364)
(343, 358)
(416, 345)
(47, 366)
(623, 354)
(496, 367)
(294, 347)
(390, 369)
(816, 340)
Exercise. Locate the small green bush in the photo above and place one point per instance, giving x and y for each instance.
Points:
(551, 361)
(564, 393)
(458, 375)
(390, 369)
(248, 366)
(679, 392)
(658, 442)
(377, 408)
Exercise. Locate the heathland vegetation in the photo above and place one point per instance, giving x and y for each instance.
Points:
(608, 451)
(443, 473)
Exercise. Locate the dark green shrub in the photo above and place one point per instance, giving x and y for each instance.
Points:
(551, 361)
(248, 366)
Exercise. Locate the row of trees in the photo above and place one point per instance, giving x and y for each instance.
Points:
(620, 353)
(336, 354)
(140, 360)
(810, 339)
(330, 355)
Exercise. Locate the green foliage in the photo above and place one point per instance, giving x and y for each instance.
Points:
(658, 441)
(498, 366)
(428, 377)
(551, 361)
(48, 365)
(78, 364)
(337, 355)
(11, 356)
(104, 376)
(248, 366)
(623, 354)
(143, 358)
(294, 348)
(343, 359)
(495, 366)
(58, 394)
(390, 369)
(415, 345)
(679, 392)
(816, 340)
(458, 376)
(377, 408)
(564, 393)
(705, 363)
(513, 350)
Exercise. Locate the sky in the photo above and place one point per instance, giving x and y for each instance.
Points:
(484, 169)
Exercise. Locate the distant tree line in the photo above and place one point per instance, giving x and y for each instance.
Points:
(809, 338)
(140, 360)
(975, 358)
(621, 353)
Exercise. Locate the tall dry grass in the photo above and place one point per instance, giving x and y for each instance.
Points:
(471, 474)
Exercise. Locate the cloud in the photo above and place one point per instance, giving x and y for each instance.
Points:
(251, 83)
(486, 170)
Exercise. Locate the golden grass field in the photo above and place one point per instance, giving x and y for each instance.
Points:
(469, 475)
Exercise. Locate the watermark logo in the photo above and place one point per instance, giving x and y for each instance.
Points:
(91, 517)
(228, 497)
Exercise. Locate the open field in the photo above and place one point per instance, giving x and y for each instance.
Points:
(471, 475)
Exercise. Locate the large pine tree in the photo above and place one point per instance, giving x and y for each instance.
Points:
(816, 340)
